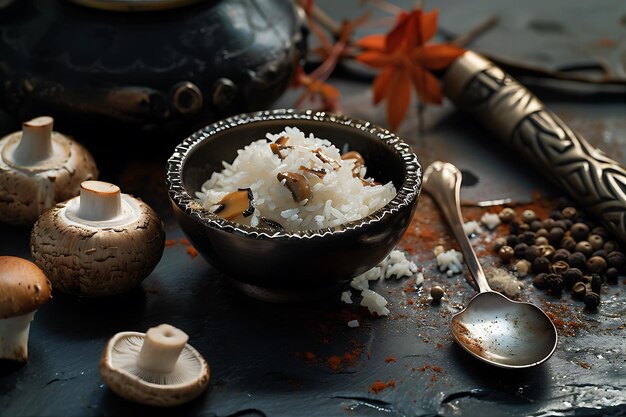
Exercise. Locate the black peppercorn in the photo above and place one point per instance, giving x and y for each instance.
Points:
(568, 243)
(568, 223)
(584, 247)
(559, 267)
(511, 240)
(554, 283)
(556, 215)
(579, 290)
(560, 255)
(527, 237)
(507, 215)
(523, 227)
(506, 253)
(572, 276)
(591, 300)
(541, 264)
(579, 231)
(514, 228)
(531, 253)
(596, 283)
(596, 265)
(535, 225)
(547, 223)
(555, 235)
(616, 260)
(540, 281)
(498, 243)
(611, 275)
(577, 260)
(520, 250)
(601, 253)
(562, 224)
(568, 212)
(610, 246)
(543, 232)
(596, 241)
(601, 231)
(528, 216)
(541, 241)
(546, 250)
(436, 293)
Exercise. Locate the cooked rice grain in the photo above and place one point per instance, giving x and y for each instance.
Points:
(336, 198)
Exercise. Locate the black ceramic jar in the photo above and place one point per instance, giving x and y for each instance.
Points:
(178, 68)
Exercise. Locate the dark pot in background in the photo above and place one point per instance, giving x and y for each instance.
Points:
(145, 71)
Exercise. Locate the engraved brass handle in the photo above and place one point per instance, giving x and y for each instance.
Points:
(585, 173)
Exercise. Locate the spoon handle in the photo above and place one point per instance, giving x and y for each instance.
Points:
(442, 181)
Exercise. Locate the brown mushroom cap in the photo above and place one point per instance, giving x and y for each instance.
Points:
(28, 191)
(97, 260)
(119, 370)
(23, 287)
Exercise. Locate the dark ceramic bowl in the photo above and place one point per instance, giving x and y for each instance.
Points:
(288, 266)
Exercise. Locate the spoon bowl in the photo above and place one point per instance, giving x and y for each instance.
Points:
(523, 337)
(494, 329)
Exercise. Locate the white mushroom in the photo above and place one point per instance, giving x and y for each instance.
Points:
(98, 244)
(23, 289)
(157, 368)
(39, 168)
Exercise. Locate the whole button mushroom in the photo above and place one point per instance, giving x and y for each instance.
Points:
(157, 368)
(38, 169)
(98, 244)
(23, 289)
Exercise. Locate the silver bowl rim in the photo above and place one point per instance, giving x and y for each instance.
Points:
(406, 194)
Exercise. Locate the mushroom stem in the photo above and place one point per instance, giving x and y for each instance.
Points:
(161, 348)
(14, 337)
(99, 201)
(36, 142)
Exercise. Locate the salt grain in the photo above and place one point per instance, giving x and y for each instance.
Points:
(374, 302)
(353, 323)
(450, 261)
(346, 297)
(472, 228)
(490, 220)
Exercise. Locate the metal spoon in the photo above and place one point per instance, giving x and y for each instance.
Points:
(496, 330)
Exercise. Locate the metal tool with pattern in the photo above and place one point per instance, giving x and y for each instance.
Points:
(588, 175)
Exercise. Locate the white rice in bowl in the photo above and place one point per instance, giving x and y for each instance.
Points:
(339, 190)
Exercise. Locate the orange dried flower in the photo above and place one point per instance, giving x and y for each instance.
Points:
(404, 59)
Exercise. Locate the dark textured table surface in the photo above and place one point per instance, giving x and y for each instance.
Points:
(273, 360)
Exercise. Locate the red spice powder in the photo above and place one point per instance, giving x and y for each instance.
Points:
(410, 302)
(334, 362)
(390, 359)
(378, 386)
(192, 251)
(351, 358)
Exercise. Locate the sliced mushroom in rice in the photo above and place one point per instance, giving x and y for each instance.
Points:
(318, 172)
(280, 145)
(282, 141)
(326, 159)
(234, 204)
(358, 161)
(270, 224)
(297, 184)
